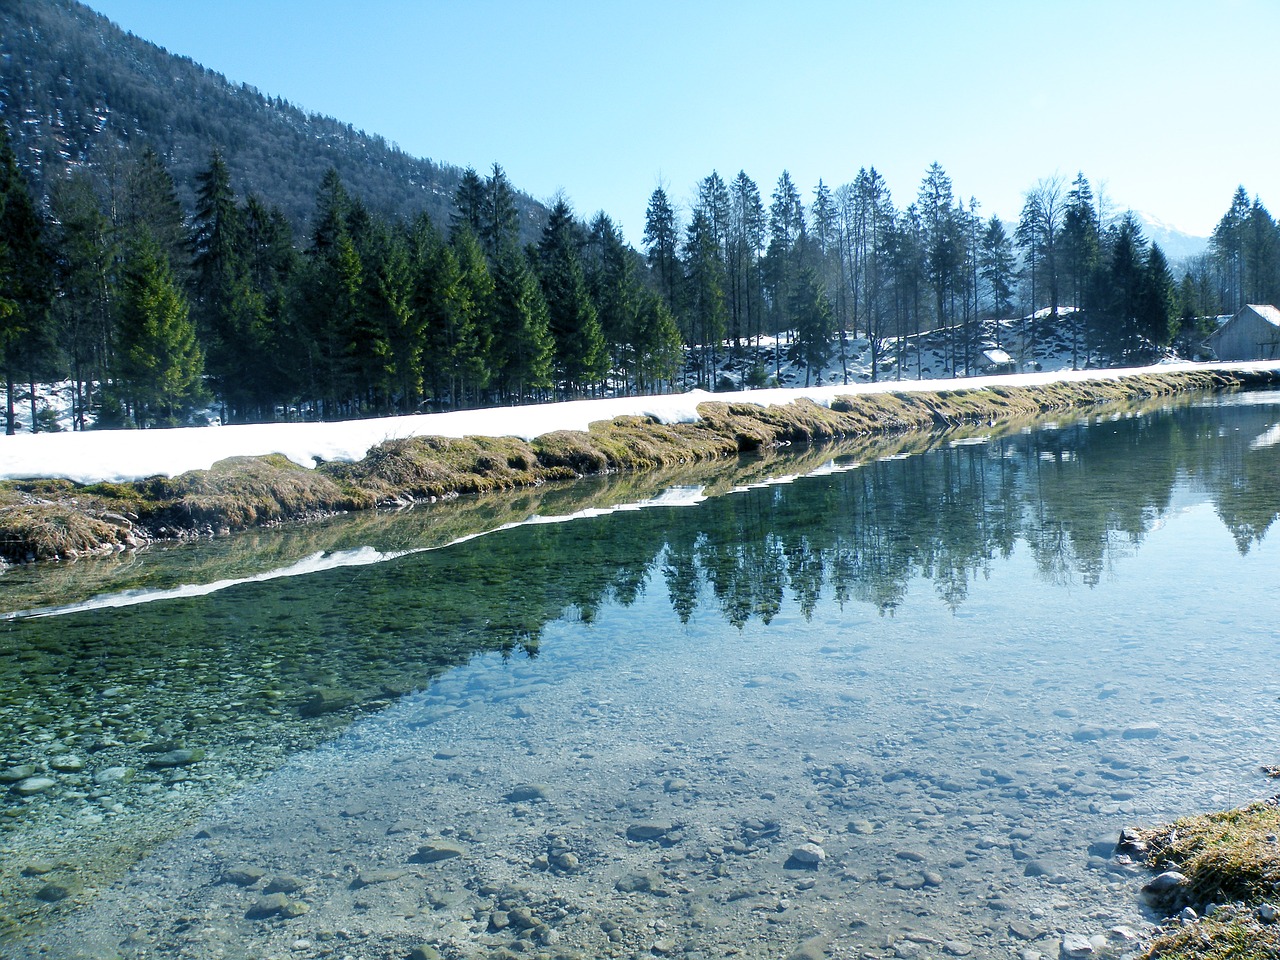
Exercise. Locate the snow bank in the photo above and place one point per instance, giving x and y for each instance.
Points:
(104, 455)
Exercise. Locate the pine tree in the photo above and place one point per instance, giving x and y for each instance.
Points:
(812, 312)
(869, 249)
(475, 333)
(1228, 246)
(661, 240)
(1125, 281)
(401, 376)
(86, 254)
(27, 343)
(581, 356)
(1261, 255)
(159, 362)
(746, 243)
(786, 240)
(329, 221)
(705, 310)
(499, 218)
(1155, 315)
(524, 350)
(941, 250)
(328, 304)
(468, 203)
(998, 264)
(614, 288)
(224, 305)
(1080, 253)
(150, 206)
(440, 296)
(271, 372)
(658, 347)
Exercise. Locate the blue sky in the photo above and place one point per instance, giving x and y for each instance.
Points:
(1166, 107)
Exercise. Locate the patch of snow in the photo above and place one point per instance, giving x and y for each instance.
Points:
(119, 455)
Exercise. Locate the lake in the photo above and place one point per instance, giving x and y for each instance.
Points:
(869, 702)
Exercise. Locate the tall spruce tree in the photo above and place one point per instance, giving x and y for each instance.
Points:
(499, 218)
(662, 241)
(150, 206)
(581, 355)
(475, 332)
(27, 343)
(812, 311)
(523, 352)
(159, 363)
(87, 251)
(468, 203)
(224, 308)
(746, 244)
(706, 315)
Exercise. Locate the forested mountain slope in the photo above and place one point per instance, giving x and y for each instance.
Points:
(77, 90)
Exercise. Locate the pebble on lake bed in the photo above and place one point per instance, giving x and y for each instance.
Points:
(808, 855)
(33, 785)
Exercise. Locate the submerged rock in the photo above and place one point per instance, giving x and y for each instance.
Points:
(33, 785)
(634, 883)
(1141, 731)
(176, 758)
(648, 830)
(243, 876)
(436, 851)
(527, 792)
(808, 855)
(1166, 889)
(55, 892)
(368, 878)
(276, 904)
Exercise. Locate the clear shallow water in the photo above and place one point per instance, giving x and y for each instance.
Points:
(958, 673)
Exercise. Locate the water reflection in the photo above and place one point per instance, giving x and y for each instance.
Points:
(257, 673)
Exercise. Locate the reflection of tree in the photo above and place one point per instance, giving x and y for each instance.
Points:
(1079, 496)
(1246, 494)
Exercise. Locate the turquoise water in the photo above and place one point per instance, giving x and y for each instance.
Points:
(956, 675)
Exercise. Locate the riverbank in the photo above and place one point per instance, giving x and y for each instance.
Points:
(48, 519)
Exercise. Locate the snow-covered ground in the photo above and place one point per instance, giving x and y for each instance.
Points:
(99, 455)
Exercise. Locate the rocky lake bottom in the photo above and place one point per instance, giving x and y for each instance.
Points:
(702, 796)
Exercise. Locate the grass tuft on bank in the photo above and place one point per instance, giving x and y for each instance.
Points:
(1230, 859)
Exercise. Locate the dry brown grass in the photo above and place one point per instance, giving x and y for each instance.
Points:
(1227, 856)
(31, 532)
(1231, 857)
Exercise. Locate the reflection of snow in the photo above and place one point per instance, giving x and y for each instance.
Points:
(98, 455)
(677, 496)
(316, 562)
(1268, 439)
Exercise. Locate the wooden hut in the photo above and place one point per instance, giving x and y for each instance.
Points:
(1252, 334)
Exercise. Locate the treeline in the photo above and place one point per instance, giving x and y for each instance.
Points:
(152, 314)
(855, 263)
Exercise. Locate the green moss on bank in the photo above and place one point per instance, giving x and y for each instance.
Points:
(44, 519)
(1228, 858)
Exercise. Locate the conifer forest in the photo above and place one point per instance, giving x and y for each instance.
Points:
(161, 286)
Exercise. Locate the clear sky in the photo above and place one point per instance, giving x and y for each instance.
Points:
(1165, 106)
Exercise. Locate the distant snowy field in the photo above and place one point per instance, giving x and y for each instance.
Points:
(104, 455)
